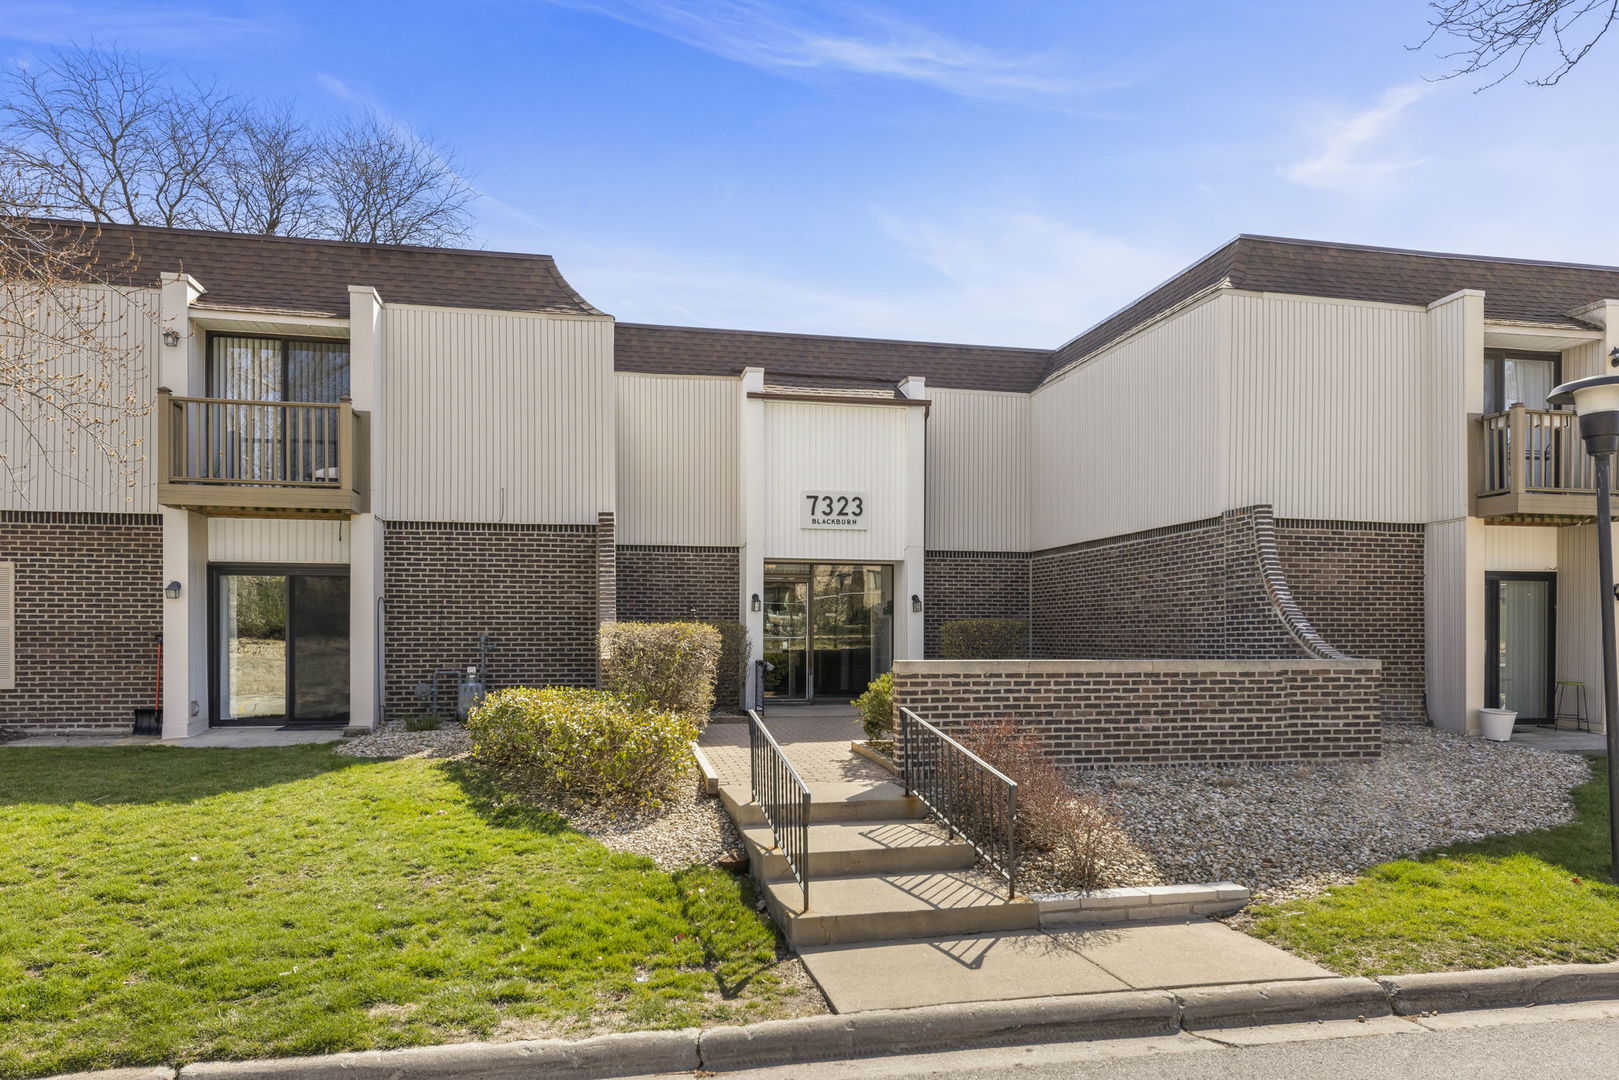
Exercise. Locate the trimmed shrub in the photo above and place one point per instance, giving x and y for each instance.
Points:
(732, 669)
(1075, 839)
(876, 707)
(573, 747)
(984, 639)
(666, 667)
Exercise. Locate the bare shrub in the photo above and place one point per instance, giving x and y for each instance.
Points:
(1075, 839)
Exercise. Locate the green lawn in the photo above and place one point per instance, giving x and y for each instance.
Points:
(1540, 897)
(162, 905)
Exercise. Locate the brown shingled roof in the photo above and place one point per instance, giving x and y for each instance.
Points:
(809, 360)
(1514, 289)
(312, 276)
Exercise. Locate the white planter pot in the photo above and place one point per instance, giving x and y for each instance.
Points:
(1496, 724)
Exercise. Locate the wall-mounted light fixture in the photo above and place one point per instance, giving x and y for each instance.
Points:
(171, 338)
(916, 602)
(754, 604)
(172, 590)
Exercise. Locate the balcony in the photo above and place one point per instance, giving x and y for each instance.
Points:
(1529, 464)
(237, 458)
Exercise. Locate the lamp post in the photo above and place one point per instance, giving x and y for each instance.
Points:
(1596, 400)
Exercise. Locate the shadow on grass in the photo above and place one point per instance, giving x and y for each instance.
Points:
(689, 884)
(154, 775)
(499, 806)
(1580, 847)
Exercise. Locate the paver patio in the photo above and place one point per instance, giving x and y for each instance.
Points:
(815, 737)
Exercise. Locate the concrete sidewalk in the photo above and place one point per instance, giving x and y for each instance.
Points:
(1047, 963)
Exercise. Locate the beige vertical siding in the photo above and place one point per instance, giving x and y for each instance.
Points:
(978, 471)
(277, 540)
(1455, 387)
(497, 416)
(1328, 413)
(1520, 549)
(1585, 360)
(1455, 622)
(812, 447)
(48, 466)
(1134, 438)
(1579, 627)
(677, 460)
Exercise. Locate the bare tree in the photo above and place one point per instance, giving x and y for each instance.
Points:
(1501, 34)
(72, 350)
(102, 135)
(267, 185)
(384, 186)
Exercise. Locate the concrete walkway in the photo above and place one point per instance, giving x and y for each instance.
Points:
(1047, 963)
(238, 738)
(1561, 740)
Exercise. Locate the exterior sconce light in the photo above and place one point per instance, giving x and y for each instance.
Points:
(171, 338)
(916, 602)
(754, 604)
(172, 590)
(1596, 401)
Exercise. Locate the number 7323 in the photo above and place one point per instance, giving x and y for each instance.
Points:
(836, 505)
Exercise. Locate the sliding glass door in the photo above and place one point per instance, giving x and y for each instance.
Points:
(1519, 623)
(280, 645)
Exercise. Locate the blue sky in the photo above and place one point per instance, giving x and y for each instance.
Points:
(1004, 172)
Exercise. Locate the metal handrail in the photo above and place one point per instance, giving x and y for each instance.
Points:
(783, 798)
(973, 798)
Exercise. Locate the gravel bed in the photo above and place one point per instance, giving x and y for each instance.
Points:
(690, 829)
(391, 740)
(1292, 830)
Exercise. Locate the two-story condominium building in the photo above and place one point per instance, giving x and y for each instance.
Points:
(367, 467)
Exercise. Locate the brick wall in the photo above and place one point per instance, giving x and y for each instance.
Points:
(972, 585)
(1242, 586)
(1362, 587)
(533, 588)
(1159, 712)
(662, 582)
(89, 603)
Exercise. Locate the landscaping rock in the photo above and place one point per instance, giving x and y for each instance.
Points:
(391, 740)
(691, 829)
(1289, 831)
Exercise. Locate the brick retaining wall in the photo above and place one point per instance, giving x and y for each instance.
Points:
(89, 604)
(533, 588)
(1159, 712)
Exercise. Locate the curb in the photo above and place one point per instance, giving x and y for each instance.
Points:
(930, 1028)
(1452, 991)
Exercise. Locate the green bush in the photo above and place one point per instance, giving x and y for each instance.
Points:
(574, 747)
(984, 639)
(666, 667)
(732, 669)
(876, 707)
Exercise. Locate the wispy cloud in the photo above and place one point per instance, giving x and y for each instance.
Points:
(863, 40)
(161, 28)
(998, 278)
(1347, 158)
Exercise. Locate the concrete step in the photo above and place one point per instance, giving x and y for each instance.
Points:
(879, 801)
(892, 906)
(843, 848)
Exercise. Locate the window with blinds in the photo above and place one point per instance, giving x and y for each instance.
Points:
(277, 369)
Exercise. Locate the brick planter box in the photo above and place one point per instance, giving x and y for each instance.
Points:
(1159, 712)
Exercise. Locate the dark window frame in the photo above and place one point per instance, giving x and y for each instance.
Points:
(216, 704)
(285, 341)
(1492, 636)
(1495, 374)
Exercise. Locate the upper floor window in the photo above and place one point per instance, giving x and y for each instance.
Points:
(277, 369)
(1518, 378)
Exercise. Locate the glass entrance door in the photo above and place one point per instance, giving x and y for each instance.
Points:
(1519, 614)
(280, 646)
(828, 629)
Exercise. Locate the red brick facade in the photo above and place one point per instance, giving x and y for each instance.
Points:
(1159, 712)
(665, 582)
(972, 585)
(532, 588)
(89, 607)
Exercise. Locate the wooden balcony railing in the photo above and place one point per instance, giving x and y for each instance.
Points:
(232, 456)
(1531, 461)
